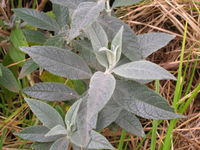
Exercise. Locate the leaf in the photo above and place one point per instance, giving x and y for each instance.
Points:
(59, 61)
(28, 68)
(142, 101)
(71, 115)
(0, 70)
(16, 55)
(41, 146)
(151, 42)
(36, 134)
(85, 50)
(130, 123)
(45, 113)
(143, 70)
(36, 18)
(57, 130)
(108, 114)
(17, 38)
(130, 45)
(8, 80)
(56, 41)
(60, 144)
(51, 91)
(119, 3)
(34, 36)
(85, 14)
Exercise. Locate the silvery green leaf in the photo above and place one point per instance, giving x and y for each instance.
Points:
(51, 91)
(151, 42)
(119, 3)
(130, 46)
(85, 50)
(108, 114)
(57, 130)
(8, 80)
(70, 118)
(142, 101)
(60, 144)
(59, 61)
(56, 41)
(36, 134)
(34, 36)
(28, 68)
(45, 113)
(84, 16)
(116, 45)
(109, 56)
(143, 70)
(130, 123)
(62, 15)
(36, 18)
(41, 146)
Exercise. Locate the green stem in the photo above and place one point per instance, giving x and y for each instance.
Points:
(121, 142)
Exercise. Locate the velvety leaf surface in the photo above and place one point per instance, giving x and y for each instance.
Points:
(34, 36)
(59, 61)
(142, 101)
(51, 91)
(41, 146)
(119, 3)
(130, 123)
(60, 144)
(36, 18)
(143, 70)
(45, 113)
(57, 130)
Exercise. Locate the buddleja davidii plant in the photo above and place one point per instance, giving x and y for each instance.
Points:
(107, 99)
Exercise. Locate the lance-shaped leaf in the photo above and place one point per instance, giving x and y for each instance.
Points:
(37, 19)
(108, 114)
(60, 144)
(56, 41)
(45, 113)
(41, 146)
(130, 46)
(28, 68)
(59, 61)
(142, 101)
(51, 91)
(143, 70)
(8, 80)
(34, 36)
(152, 42)
(85, 14)
(57, 130)
(130, 123)
(36, 134)
(119, 3)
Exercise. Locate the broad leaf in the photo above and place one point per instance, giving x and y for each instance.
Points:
(152, 42)
(130, 123)
(51, 91)
(28, 68)
(60, 144)
(56, 41)
(34, 36)
(59, 61)
(41, 146)
(119, 3)
(57, 130)
(36, 134)
(45, 113)
(8, 80)
(85, 14)
(142, 101)
(143, 70)
(37, 19)
(108, 114)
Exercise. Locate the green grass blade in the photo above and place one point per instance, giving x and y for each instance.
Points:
(121, 142)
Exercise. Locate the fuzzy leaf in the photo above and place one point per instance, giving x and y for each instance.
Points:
(59, 61)
(45, 113)
(142, 101)
(143, 70)
(56, 41)
(152, 42)
(51, 91)
(57, 130)
(36, 18)
(60, 144)
(41, 146)
(85, 14)
(34, 36)
(28, 68)
(119, 3)
(130, 123)
(8, 80)
(36, 134)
